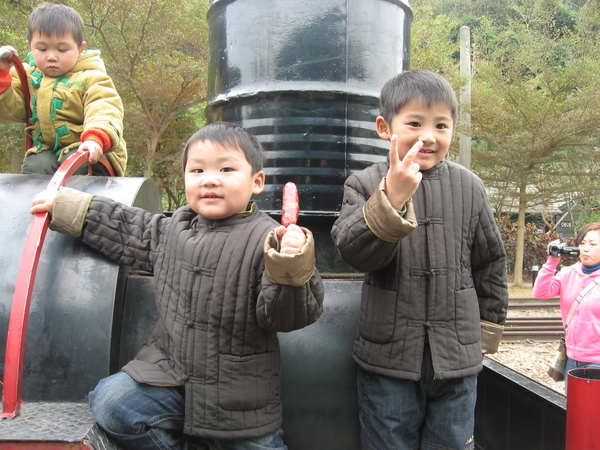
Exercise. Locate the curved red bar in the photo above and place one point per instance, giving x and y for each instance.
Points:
(19, 315)
(26, 96)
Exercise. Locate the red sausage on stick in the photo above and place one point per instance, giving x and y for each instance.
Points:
(290, 207)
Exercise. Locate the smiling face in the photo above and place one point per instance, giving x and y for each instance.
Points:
(55, 54)
(417, 121)
(219, 181)
(590, 248)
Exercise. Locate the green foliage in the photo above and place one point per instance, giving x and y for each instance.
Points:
(432, 47)
(13, 33)
(536, 108)
(432, 44)
(499, 13)
(12, 147)
(588, 215)
(535, 99)
(156, 52)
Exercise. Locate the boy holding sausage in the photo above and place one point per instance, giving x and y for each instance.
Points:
(227, 278)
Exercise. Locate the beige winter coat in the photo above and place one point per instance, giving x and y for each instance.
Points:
(64, 107)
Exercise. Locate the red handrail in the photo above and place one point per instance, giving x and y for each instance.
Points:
(19, 315)
(24, 88)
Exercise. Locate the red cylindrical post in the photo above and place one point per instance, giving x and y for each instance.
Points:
(583, 409)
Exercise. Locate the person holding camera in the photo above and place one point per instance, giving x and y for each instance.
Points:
(578, 286)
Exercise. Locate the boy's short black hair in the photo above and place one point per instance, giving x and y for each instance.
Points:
(414, 84)
(227, 134)
(55, 19)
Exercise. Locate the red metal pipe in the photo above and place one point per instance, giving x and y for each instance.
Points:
(25, 89)
(19, 315)
(29, 445)
(583, 409)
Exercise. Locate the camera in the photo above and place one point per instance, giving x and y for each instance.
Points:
(562, 249)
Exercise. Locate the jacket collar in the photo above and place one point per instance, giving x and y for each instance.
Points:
(435, 169)
(578, 267)
(241, 217)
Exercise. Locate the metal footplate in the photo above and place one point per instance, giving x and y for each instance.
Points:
(53, 425)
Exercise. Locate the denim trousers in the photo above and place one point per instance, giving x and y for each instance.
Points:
(141, 416)
(425, 414)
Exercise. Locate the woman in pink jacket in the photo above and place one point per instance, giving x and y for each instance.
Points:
(582, 328)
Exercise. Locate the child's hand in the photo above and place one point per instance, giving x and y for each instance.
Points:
(404, 176)
(4, 51)
(292, 239)
(44, 201)
(94, 149)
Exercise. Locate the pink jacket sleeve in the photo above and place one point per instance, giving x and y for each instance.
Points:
(547, 284)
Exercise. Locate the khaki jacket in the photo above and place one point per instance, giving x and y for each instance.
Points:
(63, 108)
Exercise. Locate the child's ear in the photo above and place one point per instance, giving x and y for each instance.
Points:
(258, 183)
(383, 129)
(82, 47)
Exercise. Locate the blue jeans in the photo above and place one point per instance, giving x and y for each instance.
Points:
(424, 414)
(141, 416)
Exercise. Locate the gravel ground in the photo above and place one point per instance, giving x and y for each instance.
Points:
(531, 358)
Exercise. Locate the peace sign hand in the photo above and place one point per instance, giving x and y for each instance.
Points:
(404, 175)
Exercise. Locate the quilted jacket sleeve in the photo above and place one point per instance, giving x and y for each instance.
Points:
(292, 290)
(103, 110)
(125, 234)
(488, 265)
(369, 228)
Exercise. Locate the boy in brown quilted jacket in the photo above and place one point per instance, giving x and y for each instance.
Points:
(434, 295)
(227, 278)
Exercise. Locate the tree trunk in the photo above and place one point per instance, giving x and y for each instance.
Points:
(151, 144)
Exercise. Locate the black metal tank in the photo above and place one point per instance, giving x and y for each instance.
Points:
(304, 76)
(74, 332)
